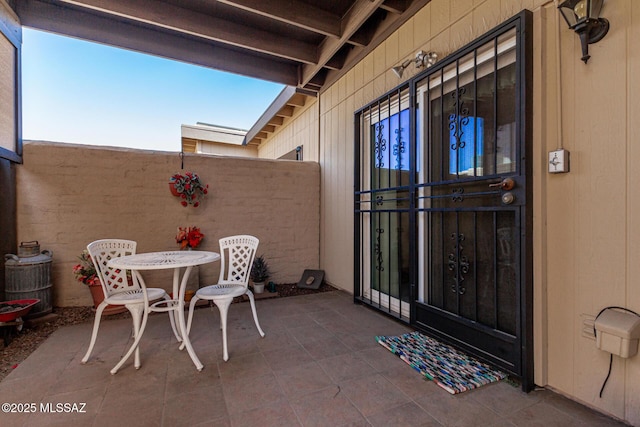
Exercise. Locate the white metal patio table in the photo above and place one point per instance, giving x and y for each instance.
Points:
(161, 261)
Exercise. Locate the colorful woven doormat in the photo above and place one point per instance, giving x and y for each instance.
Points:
(447, 367)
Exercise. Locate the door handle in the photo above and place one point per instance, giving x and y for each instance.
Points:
(506, 184)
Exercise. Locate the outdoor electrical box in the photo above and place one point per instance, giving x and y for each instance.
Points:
(617, 332)
(559, 161)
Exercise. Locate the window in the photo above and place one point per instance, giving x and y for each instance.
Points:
(295, 154)
(391, 142)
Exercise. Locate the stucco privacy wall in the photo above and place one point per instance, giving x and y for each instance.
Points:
(586, 227)
(70, 195)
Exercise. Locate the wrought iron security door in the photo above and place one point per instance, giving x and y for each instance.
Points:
(443, 212)
(472, 202)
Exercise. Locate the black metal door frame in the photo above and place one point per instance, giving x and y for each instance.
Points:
(524, 366)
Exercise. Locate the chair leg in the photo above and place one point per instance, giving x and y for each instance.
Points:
(137, 310)
(223, 307)
(255, 315)
(94, 333)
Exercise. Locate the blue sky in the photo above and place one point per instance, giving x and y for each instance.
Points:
(87, 93)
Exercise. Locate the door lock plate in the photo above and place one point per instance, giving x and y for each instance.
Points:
(508, 198)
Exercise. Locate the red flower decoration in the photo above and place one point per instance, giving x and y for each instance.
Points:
(85, 272)
(189, 188)
(189, 237)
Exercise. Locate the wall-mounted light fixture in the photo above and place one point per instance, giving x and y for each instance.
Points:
(425, 59)
(583, 16)
(422, 59)
(399, 69)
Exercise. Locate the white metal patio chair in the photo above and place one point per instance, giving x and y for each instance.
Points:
(122, 289)
(237, 254)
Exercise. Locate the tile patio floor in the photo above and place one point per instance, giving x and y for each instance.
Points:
(318, 365)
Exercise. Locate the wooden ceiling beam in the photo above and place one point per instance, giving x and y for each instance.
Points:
(334, 63)
(351, 22)
(182, 20)
(276, 121)
(293, 12)
(384, 28)
(394, 6)
(286, 111)
(357, 40)
(86, 25)
(297, 100)
(337, 62)
(318, 79)
(314, 86)
(192, 32)
(364, 35)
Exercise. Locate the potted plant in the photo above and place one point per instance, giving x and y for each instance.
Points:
(259, 273)
(189, 237)
(86, 274)
(189, 188)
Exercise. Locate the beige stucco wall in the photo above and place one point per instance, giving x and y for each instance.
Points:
(70, 195)
(586, 231)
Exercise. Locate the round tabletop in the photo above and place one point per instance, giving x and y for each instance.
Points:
(163, 260)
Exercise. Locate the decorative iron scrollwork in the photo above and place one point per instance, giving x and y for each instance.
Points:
(456, 194)
(379, 200)
(378, 250)
(398, 148)
(458, 263)
(380, 145)
(459, 119)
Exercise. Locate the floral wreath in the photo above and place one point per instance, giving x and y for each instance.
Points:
(189, 188)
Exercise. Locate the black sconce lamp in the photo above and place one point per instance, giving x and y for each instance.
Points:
(583, 17)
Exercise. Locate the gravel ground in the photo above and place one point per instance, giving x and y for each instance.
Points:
(23, 343)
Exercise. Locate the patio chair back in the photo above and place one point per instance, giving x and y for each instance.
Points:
(237, 254)
(113, 280)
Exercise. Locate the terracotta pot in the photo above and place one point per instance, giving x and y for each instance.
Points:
(98, 297)
(188, 294)
(173, 189)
